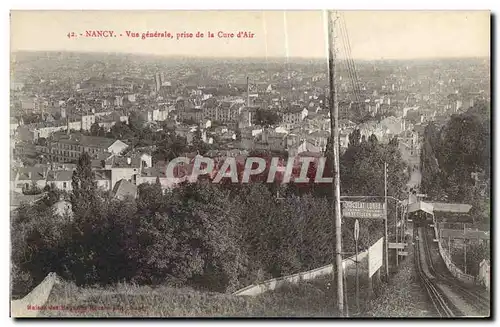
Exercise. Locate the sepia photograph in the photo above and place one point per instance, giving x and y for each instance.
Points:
(250, 164)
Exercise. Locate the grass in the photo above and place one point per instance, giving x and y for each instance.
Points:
(309, 299)
(313, 298)
(403, 296)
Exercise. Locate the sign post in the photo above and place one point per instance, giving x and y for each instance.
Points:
(356, 236)
(355, 209)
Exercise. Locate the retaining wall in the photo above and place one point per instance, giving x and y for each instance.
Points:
(484, 274)
(272, 284)
(454, 270)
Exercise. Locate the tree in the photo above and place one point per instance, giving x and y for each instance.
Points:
(209, 220)
(120, 130)
(198, 144)
(450, 156)
(135, 121)
(237, 132)
(96, 130)
(164, 254)
(431, 183)
(265, 118)
(83, 196)
(172, 146)
(42, 141)
(150, 197)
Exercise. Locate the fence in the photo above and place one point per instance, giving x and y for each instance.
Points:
(454, 270)
(272, 284)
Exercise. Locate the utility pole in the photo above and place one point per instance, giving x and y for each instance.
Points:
(465, 253)
(334, 134)
(385, 234)
(396, 232)
(248, 91)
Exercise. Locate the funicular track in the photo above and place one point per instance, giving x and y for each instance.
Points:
(442, 305)
(473, 297)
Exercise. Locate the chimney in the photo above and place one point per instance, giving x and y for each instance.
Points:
(67, 124)
(129, 161)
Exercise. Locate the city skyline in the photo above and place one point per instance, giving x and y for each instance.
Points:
(372, 35)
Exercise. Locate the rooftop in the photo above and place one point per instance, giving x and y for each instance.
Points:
(124, 188)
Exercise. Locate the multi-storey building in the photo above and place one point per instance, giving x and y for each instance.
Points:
(68, 148)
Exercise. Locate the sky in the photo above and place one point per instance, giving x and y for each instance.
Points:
(372, 35)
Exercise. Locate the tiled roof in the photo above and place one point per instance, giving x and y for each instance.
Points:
(91, 141)
(451, 207)
(37, 173)
(59, 176)
(153, 172)
(124, 188)
(102, 175)
(122, 162)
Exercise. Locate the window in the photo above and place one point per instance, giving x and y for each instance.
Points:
(64, 185)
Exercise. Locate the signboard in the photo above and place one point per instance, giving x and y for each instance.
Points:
(400, 246)
(375, 256)
(356, 230)
(403, 253)
(354, 209)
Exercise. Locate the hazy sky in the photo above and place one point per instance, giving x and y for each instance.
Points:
(372, 34)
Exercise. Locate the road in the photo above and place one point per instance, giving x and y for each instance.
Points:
(415, 179)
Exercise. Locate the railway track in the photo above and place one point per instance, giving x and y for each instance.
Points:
(473, 297)
(442, 305)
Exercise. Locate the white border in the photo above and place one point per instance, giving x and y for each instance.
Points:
(193, 5)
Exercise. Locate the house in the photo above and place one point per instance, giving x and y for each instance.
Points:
(160, 115)
(103, 179)
(30, 104)
(304, 146)
(45, 129)
(186, 132)
(25, 133)
(294, 115)
(87, 122)
(193, 114)
(14, 123)
(61, 179)
(124, 189)
(319, 139)
(68, 148)
(25, 178)
(151, 174)
(124, 168)
(75, 125)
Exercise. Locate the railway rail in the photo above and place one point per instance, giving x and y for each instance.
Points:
(473, 297)
(442, 305)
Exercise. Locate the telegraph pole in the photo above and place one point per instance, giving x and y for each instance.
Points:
(386, 238)
(248, 91)
(334, 134)
(396, 230)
